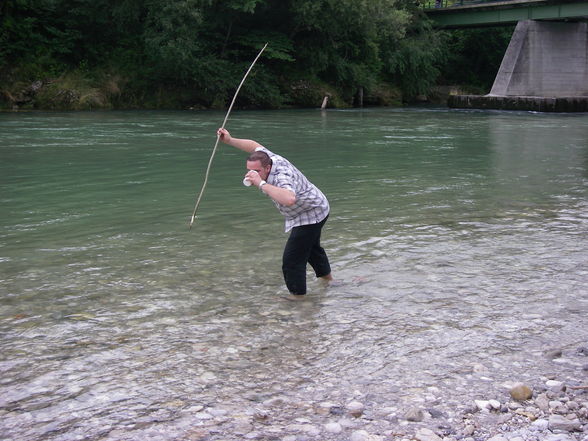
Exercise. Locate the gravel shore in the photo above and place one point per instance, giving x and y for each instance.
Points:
(554, 408)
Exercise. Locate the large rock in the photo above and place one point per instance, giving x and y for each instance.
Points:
(355, 408)
(333, 428)
(555, 386)
(427, 435)
(415, 415)
(521, 392)
(360, 435)
(542, 402)
(559, 422)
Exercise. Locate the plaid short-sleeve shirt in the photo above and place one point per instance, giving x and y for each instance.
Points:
(311, 205)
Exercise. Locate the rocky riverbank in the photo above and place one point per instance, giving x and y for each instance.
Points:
(554, 408)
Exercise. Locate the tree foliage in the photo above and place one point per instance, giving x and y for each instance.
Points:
(474, 55)
(199, 49)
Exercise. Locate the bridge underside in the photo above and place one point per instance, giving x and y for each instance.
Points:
(545, 68)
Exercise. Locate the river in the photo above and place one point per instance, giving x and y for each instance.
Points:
(459, 239)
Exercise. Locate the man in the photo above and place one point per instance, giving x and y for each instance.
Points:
(304, 206)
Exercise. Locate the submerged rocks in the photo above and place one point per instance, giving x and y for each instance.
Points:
(283, 416)
(554, 408)
(556, 414)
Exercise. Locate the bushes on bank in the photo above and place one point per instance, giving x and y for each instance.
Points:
(82, 54)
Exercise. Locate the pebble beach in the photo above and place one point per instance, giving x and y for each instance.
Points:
(553, 408)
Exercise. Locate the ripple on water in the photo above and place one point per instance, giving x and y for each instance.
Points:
(125, 326)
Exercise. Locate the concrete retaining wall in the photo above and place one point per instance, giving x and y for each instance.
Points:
(533, 103)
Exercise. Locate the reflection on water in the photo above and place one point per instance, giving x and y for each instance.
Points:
(459, 237)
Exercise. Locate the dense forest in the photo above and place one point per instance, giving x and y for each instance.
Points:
(178, 54)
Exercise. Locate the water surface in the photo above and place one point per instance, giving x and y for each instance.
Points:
(460, 239)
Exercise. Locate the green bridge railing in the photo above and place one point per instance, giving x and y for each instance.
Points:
(436, 4)
(468, 13)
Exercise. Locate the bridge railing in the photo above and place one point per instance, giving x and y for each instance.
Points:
(435, 4)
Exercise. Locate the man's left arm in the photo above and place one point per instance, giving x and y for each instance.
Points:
(282, 196)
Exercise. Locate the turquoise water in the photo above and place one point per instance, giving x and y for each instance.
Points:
(460, 238)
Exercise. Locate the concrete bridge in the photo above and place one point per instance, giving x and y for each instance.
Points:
(545, 67)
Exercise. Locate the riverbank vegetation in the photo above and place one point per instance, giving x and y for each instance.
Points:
(178, 54)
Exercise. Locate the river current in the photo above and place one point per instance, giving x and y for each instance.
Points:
(459, 239)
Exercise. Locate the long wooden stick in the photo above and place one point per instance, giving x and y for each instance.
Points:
(218, 137)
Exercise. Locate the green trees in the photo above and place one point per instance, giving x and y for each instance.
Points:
(474, 56)
(180, 53)
(342, 41)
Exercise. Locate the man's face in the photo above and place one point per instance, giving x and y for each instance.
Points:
(263, 171)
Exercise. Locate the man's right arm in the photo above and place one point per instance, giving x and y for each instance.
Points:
(247, 145)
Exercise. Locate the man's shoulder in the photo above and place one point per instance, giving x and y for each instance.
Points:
(266, 150)
(263, 149)
(277, 159)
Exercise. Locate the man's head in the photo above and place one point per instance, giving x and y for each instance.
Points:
(261, 163)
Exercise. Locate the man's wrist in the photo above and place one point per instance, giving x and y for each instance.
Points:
(261, 184)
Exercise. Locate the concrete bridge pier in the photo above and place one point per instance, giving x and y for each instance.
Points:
(545, 68)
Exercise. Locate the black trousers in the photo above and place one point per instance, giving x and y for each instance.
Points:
(304, 246)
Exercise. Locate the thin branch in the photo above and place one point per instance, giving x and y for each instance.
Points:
(218, 137)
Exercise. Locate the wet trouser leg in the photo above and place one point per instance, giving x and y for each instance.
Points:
(303, 246)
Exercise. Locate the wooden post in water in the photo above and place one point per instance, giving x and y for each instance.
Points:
(324, 104)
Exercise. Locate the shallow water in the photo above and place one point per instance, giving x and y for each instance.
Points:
(460, 239)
